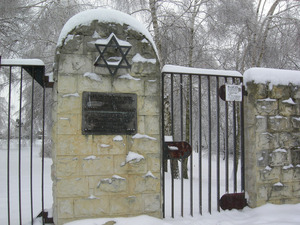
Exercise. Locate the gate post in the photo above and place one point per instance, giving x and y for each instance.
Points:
(107, 119)
(272, 155)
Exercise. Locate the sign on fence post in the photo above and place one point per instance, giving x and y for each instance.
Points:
(234, 92)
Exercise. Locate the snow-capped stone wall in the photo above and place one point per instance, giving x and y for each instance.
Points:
(105, 175)
(272, 136)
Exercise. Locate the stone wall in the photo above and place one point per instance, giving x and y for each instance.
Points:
(272, 142)
(105, 175)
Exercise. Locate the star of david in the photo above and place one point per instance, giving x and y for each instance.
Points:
(113, 54)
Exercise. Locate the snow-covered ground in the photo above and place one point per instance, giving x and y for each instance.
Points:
(264, 215)
(25, 181)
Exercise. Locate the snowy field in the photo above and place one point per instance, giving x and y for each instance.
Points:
(25, 181)
(265, 215)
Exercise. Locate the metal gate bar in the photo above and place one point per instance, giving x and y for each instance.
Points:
(200, 142)
(36, 69)
(20, 135)
(174, 89)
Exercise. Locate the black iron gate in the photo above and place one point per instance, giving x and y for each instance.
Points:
(195, 115)
(22, 137)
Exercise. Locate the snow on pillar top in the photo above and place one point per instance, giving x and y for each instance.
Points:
(102, 16)
(272, 76)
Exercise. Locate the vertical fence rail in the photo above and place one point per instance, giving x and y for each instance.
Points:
(211, 127)
(218, 142)
(200, 143)
(191, 141)
(20, 147)
(8, 146)
(20, 193)
(162, 146)
(209, 143)
(242, 149)
(43, 154)
(172, 134)
(31, 147)
(226, 146)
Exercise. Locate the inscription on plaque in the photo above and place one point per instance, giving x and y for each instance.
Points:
(108, 113)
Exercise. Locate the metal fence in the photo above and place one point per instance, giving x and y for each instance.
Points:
(22, 118)
(194, 112)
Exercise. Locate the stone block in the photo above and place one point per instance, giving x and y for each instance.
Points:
(144, 68)
(287, 173)
(281, 191)
(152, 125)
(269, 174)
(105, 145)
(288, 139)
(137, 167)
(267, 106)
(89, 43)
(92, 207)
(67, 166)
(67, 84)
(68, 124)
(154, 163)
(257, 91)
(280, 92)
(75, 64)
(123, 85)
(295, 155)
(279, 157)
(69, 103)
(125, 205)
(97, 165)
(119, 164)
(146, 145)
(261, 124)
(148, 106)
(152, 202)
(72, 44)
(296, 189)
(93, 82)
(115, 184)
(297, 173)
(152, 87)
(295, 92)
(279, 123)
(65, 208)
(72, 187)
(263, 192)
(141, 124)
(263, 158)
(266, 140)
(144, 183)
(74, 145)
(286, 108)
(296, 122)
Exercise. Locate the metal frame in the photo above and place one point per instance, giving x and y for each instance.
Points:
(210, 95)
(36, 69)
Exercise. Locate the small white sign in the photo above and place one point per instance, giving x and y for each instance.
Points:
(233, 92)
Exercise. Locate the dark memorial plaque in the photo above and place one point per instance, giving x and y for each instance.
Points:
(108, 113)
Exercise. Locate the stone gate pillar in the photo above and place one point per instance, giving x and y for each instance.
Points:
(272, 136)
(107, 122)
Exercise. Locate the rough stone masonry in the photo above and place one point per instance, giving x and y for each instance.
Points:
(105, 175)
(272, 137)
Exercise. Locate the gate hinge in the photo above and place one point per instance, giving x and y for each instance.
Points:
(245, 92)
